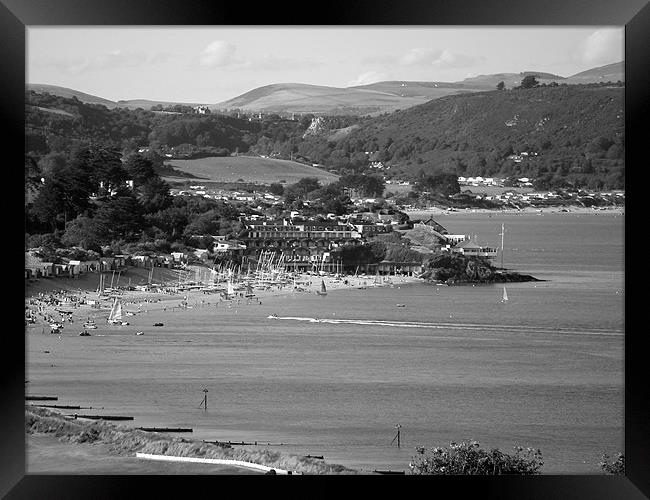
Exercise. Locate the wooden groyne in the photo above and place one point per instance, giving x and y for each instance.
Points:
(243, 443)
(102, 417)
(166, 429)
(62, 407)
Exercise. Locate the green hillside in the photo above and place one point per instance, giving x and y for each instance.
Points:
(249, 169)
(70, 93)
(317, 99)
(568, 133)
(574, 131)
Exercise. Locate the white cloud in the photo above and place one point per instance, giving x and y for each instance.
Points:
(418, 56)
(367, 78)
(441, 58)
(110, 60)
(603, 46)
(218, 53)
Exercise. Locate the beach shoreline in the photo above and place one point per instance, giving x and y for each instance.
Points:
(569, 209)
(45, 301)
(56, 443)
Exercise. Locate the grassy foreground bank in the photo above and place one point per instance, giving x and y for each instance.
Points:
(124, 441)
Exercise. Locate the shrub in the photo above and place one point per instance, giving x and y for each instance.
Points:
(468, 458)
(615, 467)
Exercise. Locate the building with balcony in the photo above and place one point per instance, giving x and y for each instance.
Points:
(306, 245)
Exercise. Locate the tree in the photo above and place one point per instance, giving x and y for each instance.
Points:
(443, 183)
(276, 188)
(122, 215)
(303, 187)
(65, 193)
(529, 81)
(501, 85)
(139, 168)
(87, 233)
(154, 195)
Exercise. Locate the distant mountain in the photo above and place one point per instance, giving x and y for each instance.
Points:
(92, 99)
(318, 99)
(147, 104)
(389, 96)
(70, 93)
(608, 73)
(372, 99)
(489, 82)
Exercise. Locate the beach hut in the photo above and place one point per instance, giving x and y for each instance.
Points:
(74, 267)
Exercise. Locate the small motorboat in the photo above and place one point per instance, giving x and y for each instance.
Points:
(139, 333)
(157, 324)
(272, 316)
(84, 334)
(401, 305)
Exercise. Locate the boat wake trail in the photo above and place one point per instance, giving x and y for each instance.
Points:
(492, 328)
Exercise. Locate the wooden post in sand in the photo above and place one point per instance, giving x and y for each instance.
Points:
(398, 426)
(205, 400)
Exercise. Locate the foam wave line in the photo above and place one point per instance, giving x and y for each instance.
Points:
(501, 328)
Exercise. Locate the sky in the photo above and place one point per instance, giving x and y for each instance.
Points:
(212, 64)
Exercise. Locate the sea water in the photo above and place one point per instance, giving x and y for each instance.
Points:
(335, 374)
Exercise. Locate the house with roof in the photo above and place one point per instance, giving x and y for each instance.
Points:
(229, 247)
(435, 226)
(470, 248)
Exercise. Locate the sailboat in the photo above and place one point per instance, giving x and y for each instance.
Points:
(115, 316)
(249, 291)
(230, 291)
(323, 289)
(505, 295)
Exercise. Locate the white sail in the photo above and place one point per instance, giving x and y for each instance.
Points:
(110, 316)
(116, 312)
(231, 290)
(505, 295)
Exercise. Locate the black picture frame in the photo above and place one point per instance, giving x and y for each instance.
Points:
(16, 15)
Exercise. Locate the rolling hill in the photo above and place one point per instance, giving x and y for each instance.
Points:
(147, 104)
(93, 99)
(317, 99)
(565, 130)
(70, 93)
(608, 73)
(372, 99)
(249, 169)
(489, 82)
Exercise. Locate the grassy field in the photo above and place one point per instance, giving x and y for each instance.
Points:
(249, 169)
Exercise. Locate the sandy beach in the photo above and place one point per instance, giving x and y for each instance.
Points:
(47, 297)
(417, 213)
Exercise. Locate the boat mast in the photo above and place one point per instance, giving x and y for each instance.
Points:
(502, 233)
